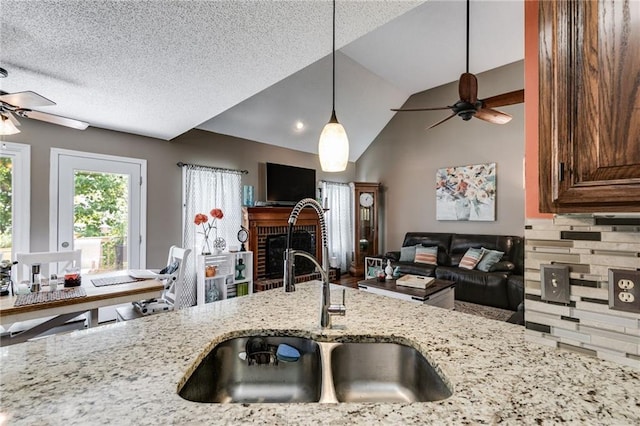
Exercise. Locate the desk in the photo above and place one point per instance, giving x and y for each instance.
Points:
(64, 310)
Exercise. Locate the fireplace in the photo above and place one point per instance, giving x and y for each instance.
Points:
(268, 228)
(276, 245)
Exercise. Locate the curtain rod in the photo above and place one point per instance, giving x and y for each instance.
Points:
(222, 169)
(336, 183)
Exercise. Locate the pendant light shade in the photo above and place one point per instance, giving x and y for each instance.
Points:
(7, 127)
(333, 147)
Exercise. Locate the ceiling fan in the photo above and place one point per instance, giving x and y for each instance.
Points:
(469, 105)
(20, 104)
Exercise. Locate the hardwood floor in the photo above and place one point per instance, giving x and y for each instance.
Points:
(349, 281)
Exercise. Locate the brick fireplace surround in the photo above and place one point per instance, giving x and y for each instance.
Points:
(265, 221)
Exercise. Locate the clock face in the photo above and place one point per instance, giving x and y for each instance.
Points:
(243, 235)
(366, 199)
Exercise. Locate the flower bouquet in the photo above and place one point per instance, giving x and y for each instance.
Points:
(219, 243)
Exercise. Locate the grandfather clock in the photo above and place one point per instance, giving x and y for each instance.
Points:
(365, 224)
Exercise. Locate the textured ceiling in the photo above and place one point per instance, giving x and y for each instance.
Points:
(245, 68)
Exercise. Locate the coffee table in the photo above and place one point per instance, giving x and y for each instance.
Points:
(440, 293)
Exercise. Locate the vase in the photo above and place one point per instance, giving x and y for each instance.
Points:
(463, 209)
(210, 271)
(206, 247)
(389, 270)
(219, 244)
(240, 269)
(212, 292)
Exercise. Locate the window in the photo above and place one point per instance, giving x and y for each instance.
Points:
(15, 192)
(206, 188)
(338, 197)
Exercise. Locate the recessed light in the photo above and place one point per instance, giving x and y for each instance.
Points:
(299, 125)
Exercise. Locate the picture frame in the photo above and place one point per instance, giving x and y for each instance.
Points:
(466, 193)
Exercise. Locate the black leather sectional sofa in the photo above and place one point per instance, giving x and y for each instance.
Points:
(502, 286)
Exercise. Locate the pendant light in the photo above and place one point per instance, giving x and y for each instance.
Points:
(6, 126)
(333, 146)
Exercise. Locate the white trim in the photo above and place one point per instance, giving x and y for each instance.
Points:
(21, 187)
(53, 194)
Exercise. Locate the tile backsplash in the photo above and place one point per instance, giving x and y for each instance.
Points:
(589, 245)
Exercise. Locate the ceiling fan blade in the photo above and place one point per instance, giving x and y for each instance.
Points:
(492, 116)
(52, 118)
(468, 88)
(510, 98)
(26, 99)
(419, 109)
(441, 121)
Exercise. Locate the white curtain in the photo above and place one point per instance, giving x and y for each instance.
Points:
(206, 188)
(338, 198)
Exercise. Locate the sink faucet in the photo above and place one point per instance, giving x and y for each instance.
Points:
(326, 308)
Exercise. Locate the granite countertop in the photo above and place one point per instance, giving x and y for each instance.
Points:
(129, 373)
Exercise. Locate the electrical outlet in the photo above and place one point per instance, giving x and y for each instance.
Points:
(624, 290)
(555, 283)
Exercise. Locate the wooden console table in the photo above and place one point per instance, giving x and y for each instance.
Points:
(440, 293)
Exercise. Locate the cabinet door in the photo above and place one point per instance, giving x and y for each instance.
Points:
(589, 106)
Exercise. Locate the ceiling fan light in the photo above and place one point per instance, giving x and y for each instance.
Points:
(7, 127)
(333, 147)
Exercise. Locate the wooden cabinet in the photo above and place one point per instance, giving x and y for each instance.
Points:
(365, 225)
(589, 106)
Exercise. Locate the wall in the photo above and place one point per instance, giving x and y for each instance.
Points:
(164, 176)
(405, 156)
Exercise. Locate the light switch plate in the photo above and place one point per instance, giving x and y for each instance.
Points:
(624, 290)
(555, 283)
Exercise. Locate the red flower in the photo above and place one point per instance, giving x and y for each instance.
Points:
(200, 219)
(216, 213)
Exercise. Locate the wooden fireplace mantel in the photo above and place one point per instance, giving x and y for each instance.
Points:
(261, 221)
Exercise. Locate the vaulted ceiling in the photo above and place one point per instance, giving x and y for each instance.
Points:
(251, 69)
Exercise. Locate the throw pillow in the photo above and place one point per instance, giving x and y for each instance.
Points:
(428, 255)
(170, 268)
(471, 258)
(490, 258)
(371, 272)
(408, 254)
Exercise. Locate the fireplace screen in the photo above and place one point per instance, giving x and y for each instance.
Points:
(277, 244)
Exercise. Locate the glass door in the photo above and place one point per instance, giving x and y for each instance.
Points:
(14, 199)
(99, 210)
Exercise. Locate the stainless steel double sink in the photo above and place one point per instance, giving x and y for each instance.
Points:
(325, 372)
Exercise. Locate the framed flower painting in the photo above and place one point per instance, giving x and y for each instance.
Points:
(466, 193)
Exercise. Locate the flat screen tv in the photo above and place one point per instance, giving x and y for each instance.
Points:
(289, 184)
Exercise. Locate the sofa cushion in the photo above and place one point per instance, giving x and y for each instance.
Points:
(485, 288)
(512, 247)
(415, 268)
(428, 255)
(489, 258)
(471, 258)
(503, 266)
(428, 239)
